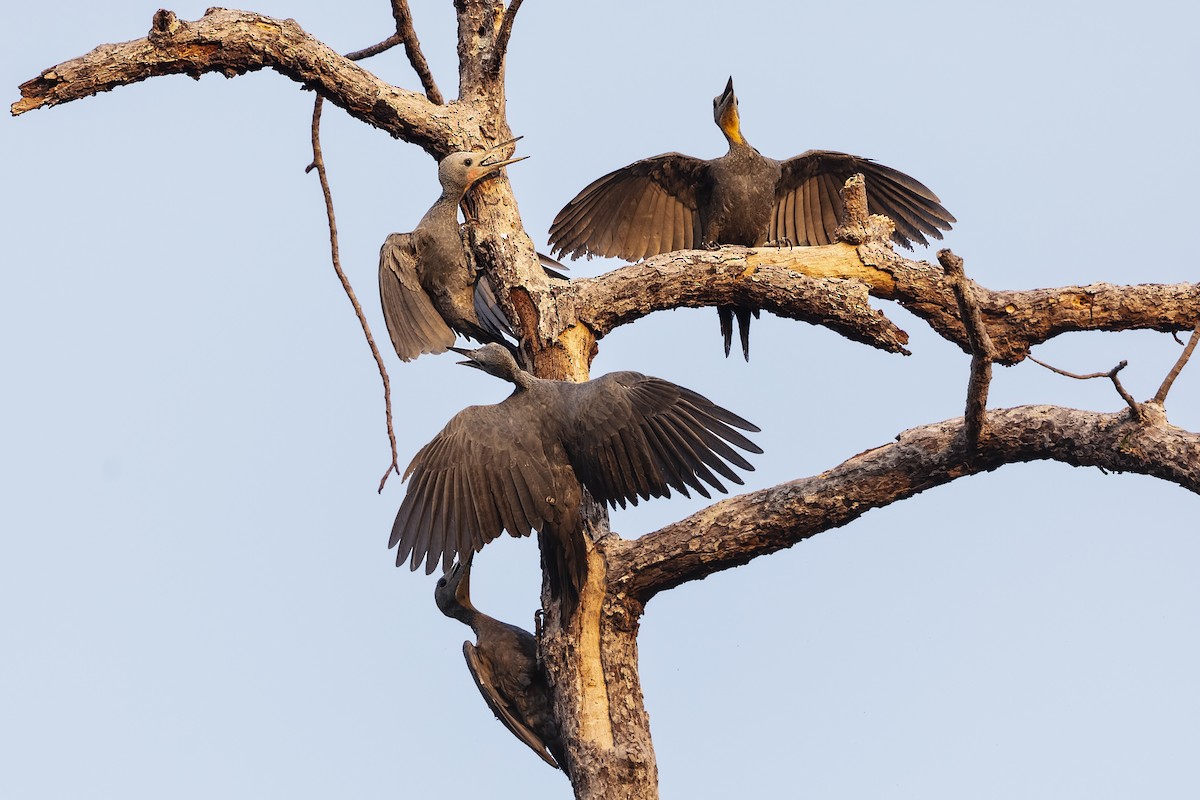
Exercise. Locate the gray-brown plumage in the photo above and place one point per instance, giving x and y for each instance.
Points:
(677, 202)
(503, 661)
(427, 286)
(518, 465)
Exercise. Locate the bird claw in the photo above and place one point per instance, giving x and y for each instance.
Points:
(710, 245)
(779, 243)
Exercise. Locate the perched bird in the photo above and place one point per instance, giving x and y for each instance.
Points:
(676, 202)
(427, 286)
(503, 661)
(518, 465)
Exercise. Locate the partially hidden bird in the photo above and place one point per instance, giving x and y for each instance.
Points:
(519, 465)
(504, 663)
(427, 286)
(677, 202)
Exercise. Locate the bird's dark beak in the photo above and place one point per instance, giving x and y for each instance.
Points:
(470, 362)
(464, 584)
(492, 166)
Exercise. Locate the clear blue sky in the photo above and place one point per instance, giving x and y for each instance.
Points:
(196, 599)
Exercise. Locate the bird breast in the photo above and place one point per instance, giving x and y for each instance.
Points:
(742, 199)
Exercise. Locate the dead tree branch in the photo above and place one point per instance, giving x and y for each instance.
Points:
(1134, 406)
(318, 163)
(982, 351)
(505, 33)
(1160, 397)
(737, 530)
(809, 285)
(236, 42)
(1015, 320)
(412, 47)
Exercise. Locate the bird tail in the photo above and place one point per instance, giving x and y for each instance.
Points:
(725, 315)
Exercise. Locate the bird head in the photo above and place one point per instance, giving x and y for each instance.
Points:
(494, 359)
(459, 171)
(725, 114)
(453, 591)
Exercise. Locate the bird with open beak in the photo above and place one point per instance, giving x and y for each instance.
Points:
(427, 285)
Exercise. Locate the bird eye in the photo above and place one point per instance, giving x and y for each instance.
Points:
(467, 162)
(441, 582)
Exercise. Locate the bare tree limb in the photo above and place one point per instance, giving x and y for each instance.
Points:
(1134, 406)
(412, 47)
(1160, 397)
(236, 42)
(811, 286)
(982, 351)
(505, 33)
(376, 49)
(739, 529)
(1021, 319)
(1015, 320)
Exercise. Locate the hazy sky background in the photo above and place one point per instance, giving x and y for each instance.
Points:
(196, 599)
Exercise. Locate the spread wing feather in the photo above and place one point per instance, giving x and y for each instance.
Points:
(808, 203)
(634, 436)
(481, 475)
(412, 321)
(646, 208)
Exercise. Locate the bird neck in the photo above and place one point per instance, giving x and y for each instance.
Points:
(522, 380)
(465, 613)
(447, 203)
(731, 125)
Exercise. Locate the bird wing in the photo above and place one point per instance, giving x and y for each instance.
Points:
(485, 472)
(500, 705)
(487, 309)
(641, 210)
(808, 202)
(414, 324)
(638, 436)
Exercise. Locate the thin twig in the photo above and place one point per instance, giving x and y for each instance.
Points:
(407, 36)
(982, 351)
(1160, 396)
(505, 33)
(1134, 406)
(1087, 377)
(376, 49)
(318, 163)
(412, 46)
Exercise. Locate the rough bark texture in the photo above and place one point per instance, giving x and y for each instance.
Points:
(734, 531)
(591, 656)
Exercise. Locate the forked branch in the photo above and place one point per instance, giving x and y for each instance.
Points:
(1134, 407)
